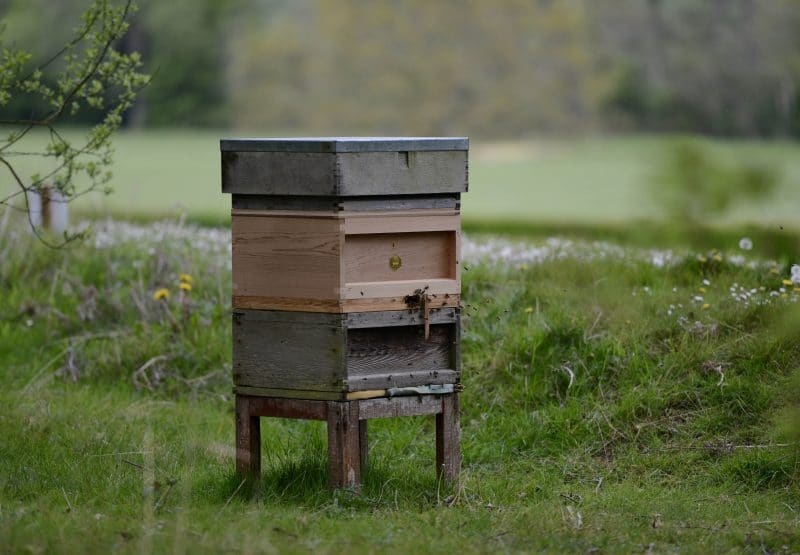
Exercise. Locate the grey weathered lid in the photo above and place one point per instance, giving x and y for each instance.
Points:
(344, 144)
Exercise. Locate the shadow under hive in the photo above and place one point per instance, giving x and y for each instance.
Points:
(346, 287)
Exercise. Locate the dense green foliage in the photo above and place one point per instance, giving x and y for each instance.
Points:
(605, 408)
(508, 68)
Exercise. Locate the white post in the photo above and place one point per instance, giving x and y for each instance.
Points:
(48, 209)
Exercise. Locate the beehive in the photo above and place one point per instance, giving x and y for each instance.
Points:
(346, 274)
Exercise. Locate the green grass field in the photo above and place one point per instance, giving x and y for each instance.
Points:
(591, 182)
(638, 394)
(617, 400)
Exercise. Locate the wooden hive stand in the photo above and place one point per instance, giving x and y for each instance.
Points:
(346, 288)
(347, 431)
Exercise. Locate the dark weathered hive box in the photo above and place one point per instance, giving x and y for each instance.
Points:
(331, 356)
(342, 249)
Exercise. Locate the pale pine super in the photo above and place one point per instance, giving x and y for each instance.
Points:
(345, 225)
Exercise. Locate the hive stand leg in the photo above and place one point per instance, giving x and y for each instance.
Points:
(344, 457)
(248, 440)
(448, 439)
(363, 445)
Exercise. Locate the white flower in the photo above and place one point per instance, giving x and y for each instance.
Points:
(745, 243)
(796, 273)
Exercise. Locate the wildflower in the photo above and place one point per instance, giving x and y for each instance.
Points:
(186, 278)
(717, 257)
(523, 267)
(185, 286)
(787, 282)
(529, 310)
(706, 306)
(162, 293)
(796, 273)
(745, 243)
(706, 282)
(702, 289)
(702, 258)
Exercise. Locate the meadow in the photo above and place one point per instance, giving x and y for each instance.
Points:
(595, 182)
(621, 395)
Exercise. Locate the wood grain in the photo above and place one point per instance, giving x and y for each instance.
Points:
(401, 221)
(359, 320)
(401, 379)
(435, 288)
(344, 453)
(248, 440)
(424, 255)
(286, 257)
(298, 304)
(448, 439)
(391, 204)
(345, 173)
(418, 405)
(334, 204)
(288, 350)
(363, 304)
(397, 349)
(288, 408)
(306, 394)
(279, 173)
(406, 172)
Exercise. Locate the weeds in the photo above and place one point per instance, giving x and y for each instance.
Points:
(605, 408)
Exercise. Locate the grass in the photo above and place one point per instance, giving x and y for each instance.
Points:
(605, 408)
(603, 182)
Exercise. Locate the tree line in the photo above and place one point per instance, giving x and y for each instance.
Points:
(507, 68)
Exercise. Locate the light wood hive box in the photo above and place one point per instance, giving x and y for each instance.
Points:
(346, 271)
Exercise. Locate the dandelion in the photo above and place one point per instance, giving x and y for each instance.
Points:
(745, 243)
(185, 286)
(186, 278)
(706, 306)
(160, 294)
(702, 289)
(702, 258)
(787, 282)
(529, 310)
(523, 267)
